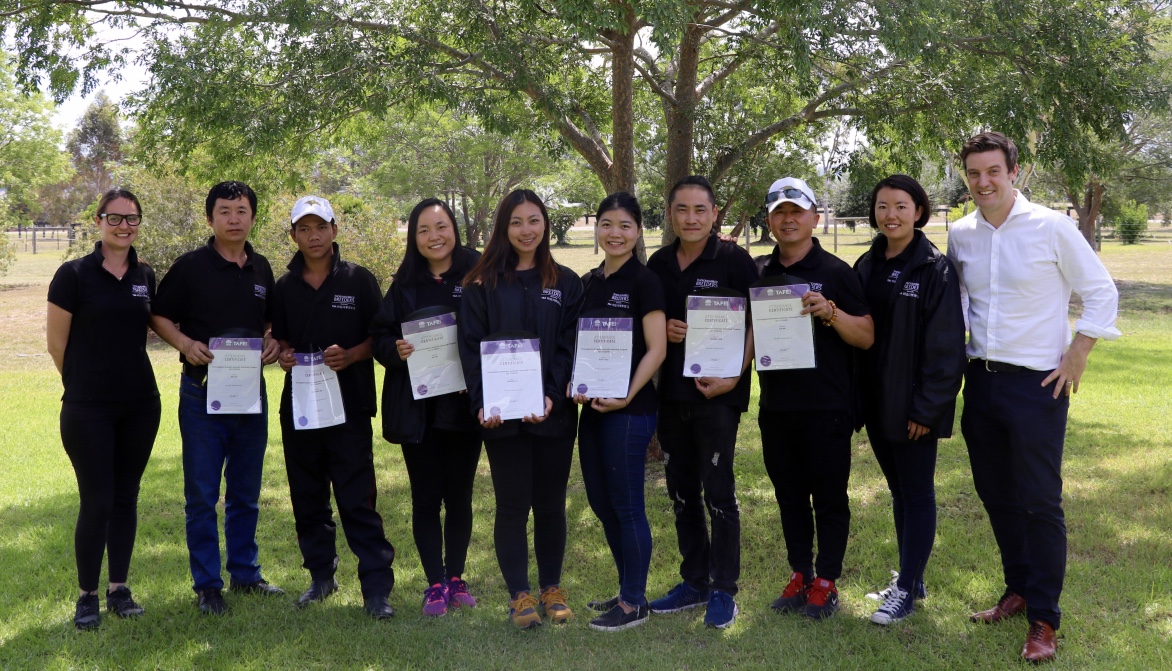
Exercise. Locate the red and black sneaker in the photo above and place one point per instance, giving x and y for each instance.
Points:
(822, 601)
(793, 597)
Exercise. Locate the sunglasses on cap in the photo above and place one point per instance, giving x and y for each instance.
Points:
(788, 193)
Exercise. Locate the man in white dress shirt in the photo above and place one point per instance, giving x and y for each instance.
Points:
(1018, 263)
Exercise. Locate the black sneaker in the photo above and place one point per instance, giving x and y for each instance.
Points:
(793, 597)
(377, 607)
(211, 602)
(603, 606)
(261, 587)
(317, 592)
(616, 619)
(88, 614)
(121, 604)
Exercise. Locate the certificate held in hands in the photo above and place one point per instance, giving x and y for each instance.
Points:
(434, 366)
(234, 376)
(783, 337)
(317, 398)
(510, 372)
(602, 356)
(715, 342)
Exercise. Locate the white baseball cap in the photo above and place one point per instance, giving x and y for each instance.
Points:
(790, 190)
(312, 205)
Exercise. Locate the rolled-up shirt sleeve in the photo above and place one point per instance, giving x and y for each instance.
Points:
(1088, 278)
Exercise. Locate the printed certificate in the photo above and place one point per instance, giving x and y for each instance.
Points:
(602, 357)
(234, 376)
(783, 338)
(434, 366)
(317, 399)
(715, 342)
(510, 371)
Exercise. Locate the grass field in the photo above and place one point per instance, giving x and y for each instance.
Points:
(1117, 602)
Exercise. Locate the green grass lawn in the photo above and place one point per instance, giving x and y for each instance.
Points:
(1117, 602)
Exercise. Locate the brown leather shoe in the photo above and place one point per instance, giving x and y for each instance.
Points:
(1041, 643)
(1009, 605)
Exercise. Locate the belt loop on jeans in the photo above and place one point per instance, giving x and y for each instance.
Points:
(999, 366)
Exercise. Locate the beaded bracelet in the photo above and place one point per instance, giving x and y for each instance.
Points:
(833, 314)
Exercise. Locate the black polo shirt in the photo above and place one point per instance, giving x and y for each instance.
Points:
(722, 265)
(207, 295)
(827, 386)
(106, 357)
(634, 289)
(339, 313)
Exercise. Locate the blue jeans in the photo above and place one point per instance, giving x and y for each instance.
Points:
(232, 445)
(612, 449)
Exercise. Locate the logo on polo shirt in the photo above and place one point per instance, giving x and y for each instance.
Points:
(911, 290)
(621, 301)
(139, 291)
(815, 286)
(457, 291)
(706, 284)
(553, 295)
(894, 277)
(344, 302)
(260, 291)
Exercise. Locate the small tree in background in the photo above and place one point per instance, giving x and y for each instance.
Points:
(1131, 221)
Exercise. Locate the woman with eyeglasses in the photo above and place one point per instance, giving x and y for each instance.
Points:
(911, 376)
(99, 306)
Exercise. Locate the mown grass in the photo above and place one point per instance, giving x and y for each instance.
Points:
(1117, 603)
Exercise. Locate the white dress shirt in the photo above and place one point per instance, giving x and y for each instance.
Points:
(1017, 278)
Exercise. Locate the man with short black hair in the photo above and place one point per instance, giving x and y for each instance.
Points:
(221, 289)
(1018, 263)
(698, 417)
(324, 306)
(806, 416)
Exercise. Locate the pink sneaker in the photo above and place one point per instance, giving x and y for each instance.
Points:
(435, 600)
(458, 595)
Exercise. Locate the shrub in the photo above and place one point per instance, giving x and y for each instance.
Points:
(1131, 222)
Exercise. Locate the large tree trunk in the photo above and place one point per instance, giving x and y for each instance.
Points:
(680, 122)
(1088, 204)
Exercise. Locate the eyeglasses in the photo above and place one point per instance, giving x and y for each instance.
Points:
(117, 219)
(788, 193)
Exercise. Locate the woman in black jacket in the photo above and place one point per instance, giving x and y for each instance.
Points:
(515, 286)
(440, 437)
(911, 375)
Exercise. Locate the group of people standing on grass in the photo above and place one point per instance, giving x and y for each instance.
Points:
(889, 346)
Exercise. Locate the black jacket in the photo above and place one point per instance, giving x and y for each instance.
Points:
(404, 418)
(914, 370)
(552, 314)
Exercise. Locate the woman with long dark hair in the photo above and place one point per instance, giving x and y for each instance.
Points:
(911, 376)
(439, 435)
(614, 432)
(99, 307)
(517, 286)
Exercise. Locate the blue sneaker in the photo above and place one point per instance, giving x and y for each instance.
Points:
(898, 605)
(722, 610)
(919, 592)
(681, 597)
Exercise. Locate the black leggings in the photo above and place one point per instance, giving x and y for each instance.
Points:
(109, 445)
(442, 470)
(530, 472)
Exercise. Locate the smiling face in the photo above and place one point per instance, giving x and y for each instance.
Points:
(314, 237)
(526, 228)
(435, 235)
(231, 220)
(791, 224)
(692, 214)
(896, 214)
(991, 183)
(617, 233)
(122, 236)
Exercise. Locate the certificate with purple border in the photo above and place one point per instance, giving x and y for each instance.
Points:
(434, 366)
(510, 371)
(602, 357)
(234, 376)
(783, 338)
(317, 398)
(715, 342)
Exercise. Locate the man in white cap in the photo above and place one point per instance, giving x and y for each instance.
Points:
(322, 309)
(806, 415)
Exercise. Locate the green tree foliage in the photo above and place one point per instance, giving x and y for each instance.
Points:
(1130, 221)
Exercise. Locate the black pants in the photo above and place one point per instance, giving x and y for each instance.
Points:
(109, 445)
(808, 458)
(910, 469)
(1015, 431)
(342, 456)
(698, 441)
(442, 470)
(530, 472)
